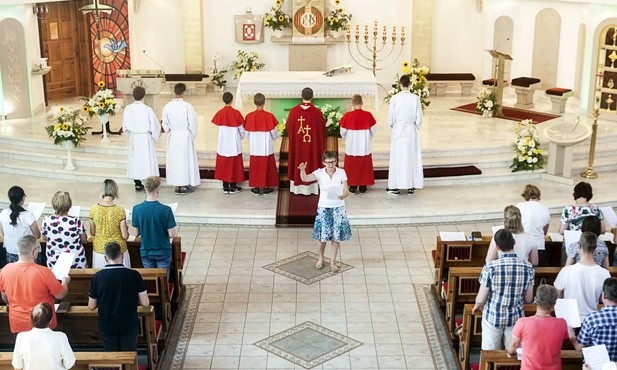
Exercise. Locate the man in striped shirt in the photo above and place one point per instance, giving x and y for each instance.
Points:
(505, 284)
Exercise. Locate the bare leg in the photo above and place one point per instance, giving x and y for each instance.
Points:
(322, 249)
(335, 249)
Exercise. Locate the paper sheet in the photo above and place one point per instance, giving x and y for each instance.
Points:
(36, 209)
(335, 192)
(609, 216)
(519, 353)
(63, 265)
(607, 237)
(556, 237)
(568, 309)
(75, 211)
(173, 206)
(496, 228)
(596, 356)
(450, 236)
(571, 236)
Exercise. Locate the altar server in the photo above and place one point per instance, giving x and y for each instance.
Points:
(358, 128)
(405, 120)
(229, 167)
(306, 128)
(142, 128)
(180, 122)
(261, 131)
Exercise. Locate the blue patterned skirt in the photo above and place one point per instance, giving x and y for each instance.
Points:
(331, 224)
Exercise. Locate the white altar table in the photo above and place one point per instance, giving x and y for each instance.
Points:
(280, 84)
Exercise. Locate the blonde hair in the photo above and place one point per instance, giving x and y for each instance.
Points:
(356, 99)
(531, 192)
(512, 219)
(109, 189)
(152, 183)
(61, 202)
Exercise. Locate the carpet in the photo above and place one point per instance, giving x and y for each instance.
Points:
(513, 114)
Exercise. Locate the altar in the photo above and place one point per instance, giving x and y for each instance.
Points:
(283, 85)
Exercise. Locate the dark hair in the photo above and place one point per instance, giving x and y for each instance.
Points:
(583, 190)
(609, 288)
(139, 93)
(179, 88)
(592, 223)
(112, 250)
(404, 81)
(504, 240)
(531, 192)
(259, 99)
(41, 315)
(307, 93)
(546, 296)
(328, 154)
(16, 195)
(588, 242)
(227, 97)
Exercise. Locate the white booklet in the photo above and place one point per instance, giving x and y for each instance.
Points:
(609, 216)
(173, 206)
(63, 265)
(571, 236)
(335, 192)
(36, 209)
(496, 228)
(452, 236)
(567, 309)
(556, 237)
(75, 211)
(596, 356)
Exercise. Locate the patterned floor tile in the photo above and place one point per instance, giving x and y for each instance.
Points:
(301, 267)
(308, 344)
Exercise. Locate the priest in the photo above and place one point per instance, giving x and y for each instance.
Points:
(260, 126)
(405, 120)
(143, 129)
(358, 127)
(306, 128)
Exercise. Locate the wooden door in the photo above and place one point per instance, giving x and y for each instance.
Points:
(64, 42)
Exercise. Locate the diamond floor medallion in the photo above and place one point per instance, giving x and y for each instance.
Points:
(308, 344)
(301, 267)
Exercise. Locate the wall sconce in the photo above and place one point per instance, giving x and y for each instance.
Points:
(41, 10)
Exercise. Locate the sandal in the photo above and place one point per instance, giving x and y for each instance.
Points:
(319, 265)
(335, 267)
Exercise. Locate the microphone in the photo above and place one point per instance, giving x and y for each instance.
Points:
(155, 62)
(500, 43)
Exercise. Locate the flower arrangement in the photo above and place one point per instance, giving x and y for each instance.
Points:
(337, 19)
(487, 102)
(527, 153)
(218, 76)
(68, 126)
(276, 19)
(102, 102)
(419, 85)
(333, 118)
(246, 61)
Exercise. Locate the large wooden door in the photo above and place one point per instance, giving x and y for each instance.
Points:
(64, 41)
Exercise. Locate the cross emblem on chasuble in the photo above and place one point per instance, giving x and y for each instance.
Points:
(304, 130)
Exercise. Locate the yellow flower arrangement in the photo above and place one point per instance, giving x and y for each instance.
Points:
(527, 153)
(68, 126)
(419, 83)
(276, 19)
(337, 19)
(103, 102)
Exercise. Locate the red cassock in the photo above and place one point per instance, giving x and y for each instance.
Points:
(260, 126)
(358, 156)
(229, 166)
(306, 128)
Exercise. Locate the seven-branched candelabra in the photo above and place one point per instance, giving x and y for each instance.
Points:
(372, 51)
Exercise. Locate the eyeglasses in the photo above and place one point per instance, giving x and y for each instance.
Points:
(329, 162)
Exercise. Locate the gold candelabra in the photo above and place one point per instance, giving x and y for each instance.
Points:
(372, 52)
(589, 174)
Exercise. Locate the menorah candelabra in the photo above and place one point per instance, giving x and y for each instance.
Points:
(373, 50)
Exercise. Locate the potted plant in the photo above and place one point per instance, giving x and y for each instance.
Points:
(487, 103)
(276, 19)
(419, 83)
(218, 75)
(245, 61)
(527, 153)
(337, 19)
(68, 130)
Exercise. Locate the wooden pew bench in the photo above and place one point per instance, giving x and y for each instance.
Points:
(88, 360)
(498, 359)
(559, 96)
(80, 324)
(156, 284)
(438, 82)
(524, 87)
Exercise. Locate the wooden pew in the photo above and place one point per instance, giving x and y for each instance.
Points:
(498, 359)
(156, 284)
(88, 360)
(80, 324)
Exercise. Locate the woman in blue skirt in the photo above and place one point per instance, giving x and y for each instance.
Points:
(331, 222)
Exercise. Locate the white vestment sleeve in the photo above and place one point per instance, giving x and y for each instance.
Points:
(192, 118)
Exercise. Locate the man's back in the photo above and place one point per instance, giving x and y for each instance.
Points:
(601, 328)
(583, 283)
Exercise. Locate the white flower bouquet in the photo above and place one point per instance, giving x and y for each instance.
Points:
(333, 118)
(527, 153)
(101, 103)
(487, 102)
(68, 126)
(419, 84)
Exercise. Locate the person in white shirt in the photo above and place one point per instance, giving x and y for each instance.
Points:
(17, 222)
(41, 347)
(583, 281)
(536, 217)
(143, 129)
(180, 122)
(331, 222)
(524, 246)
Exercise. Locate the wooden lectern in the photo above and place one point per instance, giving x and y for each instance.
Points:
(498, 76)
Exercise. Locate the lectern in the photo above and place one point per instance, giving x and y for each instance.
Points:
(498, 76)
(151, 80)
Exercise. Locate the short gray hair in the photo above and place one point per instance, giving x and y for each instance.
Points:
(26, 244)
(546, 296)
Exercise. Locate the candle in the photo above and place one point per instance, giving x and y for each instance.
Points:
(357, 29)
(375, 27)
(348, 29)
(596, 100)
(366, 29)
(384, 31)
(394, 30)
(403, 31)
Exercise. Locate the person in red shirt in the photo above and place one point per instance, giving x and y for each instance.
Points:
(229, 166)
(260, 127)
(306, 128)
(24, 284)
(358, 128)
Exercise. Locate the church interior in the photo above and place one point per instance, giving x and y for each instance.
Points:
(241, 293)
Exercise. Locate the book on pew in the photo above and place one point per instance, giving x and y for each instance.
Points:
(609, 216)
(476, 236)
(452, 236)
(596, 356)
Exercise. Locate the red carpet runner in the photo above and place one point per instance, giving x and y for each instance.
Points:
(512, 114)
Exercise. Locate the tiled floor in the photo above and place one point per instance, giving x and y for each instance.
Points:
(301, 267)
